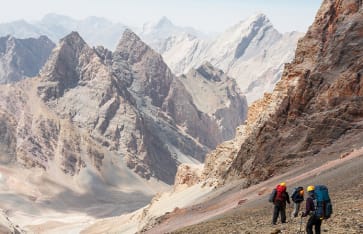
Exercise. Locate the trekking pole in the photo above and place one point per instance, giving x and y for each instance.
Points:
(300, 232)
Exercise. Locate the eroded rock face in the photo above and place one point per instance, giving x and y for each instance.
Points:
(217, 95)
(88, 102)
(318, 101)
(158, 93)
(20, 58)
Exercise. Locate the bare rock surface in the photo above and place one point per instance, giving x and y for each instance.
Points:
(21, 58)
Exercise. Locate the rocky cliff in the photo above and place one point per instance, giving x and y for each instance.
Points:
(318, 103)
(20, 58)
(218, 95)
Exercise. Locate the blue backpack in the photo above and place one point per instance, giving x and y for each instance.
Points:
(322, 202)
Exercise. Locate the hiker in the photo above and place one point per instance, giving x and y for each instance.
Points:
(297, 197)
(310, 210)
(280, 197)
(319, 206)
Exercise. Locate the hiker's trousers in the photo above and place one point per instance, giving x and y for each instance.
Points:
(313, 221)
(279, 210)
(295, 212)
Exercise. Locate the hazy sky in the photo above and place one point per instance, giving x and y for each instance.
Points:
(206, 15)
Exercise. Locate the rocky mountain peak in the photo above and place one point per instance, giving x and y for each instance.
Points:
(74, 40)
(162, 25)
(251, 25)
(61, 22)
(209, 72)
(164, 22)
(152, 76)
(258, 19)
(66, 65)
(20, 58)
(131, 48)
(246, 47)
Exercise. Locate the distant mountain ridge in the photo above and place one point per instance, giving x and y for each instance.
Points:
(252, 52)
(20, 58)
(96, 30)
(156, 33)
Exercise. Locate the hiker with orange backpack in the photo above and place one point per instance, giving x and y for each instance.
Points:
(279, 197)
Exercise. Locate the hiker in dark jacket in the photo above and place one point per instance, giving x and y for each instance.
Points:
(279, 201)
(310, 208)
(297, 198)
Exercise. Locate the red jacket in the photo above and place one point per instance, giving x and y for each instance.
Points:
(281, 196)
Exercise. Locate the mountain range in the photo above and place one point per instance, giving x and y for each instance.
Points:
(252, 51)
(307, 131)
(102, 127)
(96, 30)
(21, 58)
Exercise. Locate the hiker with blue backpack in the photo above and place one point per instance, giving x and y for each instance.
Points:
(297, 197)
(318, 206)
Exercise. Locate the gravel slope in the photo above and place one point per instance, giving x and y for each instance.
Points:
(345, 183)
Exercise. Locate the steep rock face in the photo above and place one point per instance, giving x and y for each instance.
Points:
(218, 95)
(20, 58)
(317, 103)
(78, 85)
(152, 76)
(168, 109)
(252, 52)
